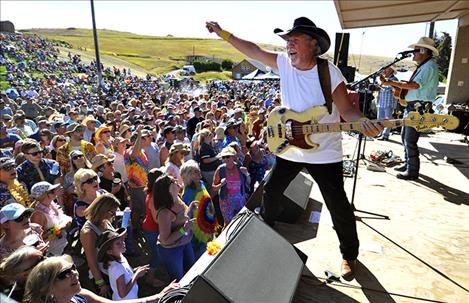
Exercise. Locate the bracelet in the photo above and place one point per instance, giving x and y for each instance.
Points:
(182, 231)
(99, 282)
(224, 35)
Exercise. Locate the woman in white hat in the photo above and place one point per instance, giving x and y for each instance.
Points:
(231, 183)
(50, 216)
(175, 160)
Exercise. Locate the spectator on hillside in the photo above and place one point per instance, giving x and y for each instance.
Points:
(50, 216)
(36, 168)
(192, 123)
(75, 132)
(17, 229)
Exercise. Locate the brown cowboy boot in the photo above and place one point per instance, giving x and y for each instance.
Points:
(348, 269)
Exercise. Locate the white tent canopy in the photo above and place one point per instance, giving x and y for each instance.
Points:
(268, 76)
(253, 75)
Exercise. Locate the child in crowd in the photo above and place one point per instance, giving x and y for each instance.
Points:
(122, 277)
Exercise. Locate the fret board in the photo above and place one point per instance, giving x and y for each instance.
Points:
(346, 126)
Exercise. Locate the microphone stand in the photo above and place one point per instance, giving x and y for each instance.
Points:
(360, 153)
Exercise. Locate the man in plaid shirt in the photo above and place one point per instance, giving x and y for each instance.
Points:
(386, 102)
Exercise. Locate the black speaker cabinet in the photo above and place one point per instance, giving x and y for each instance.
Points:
(256, 265)
(341, 49)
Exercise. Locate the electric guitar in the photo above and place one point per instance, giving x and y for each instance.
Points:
(286, 128)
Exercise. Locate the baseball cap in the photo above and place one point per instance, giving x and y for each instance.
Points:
(12, 211)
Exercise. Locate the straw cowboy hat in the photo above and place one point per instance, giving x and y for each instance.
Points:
(101, 129)
(306, 26)
(428, 43)
(100, 160)
(227, 152)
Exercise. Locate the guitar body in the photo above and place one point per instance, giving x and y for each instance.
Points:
(285, 128)
(399, 94)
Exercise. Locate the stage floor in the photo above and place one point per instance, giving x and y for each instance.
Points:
(420, 254)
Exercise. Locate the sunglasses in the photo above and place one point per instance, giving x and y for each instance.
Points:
(34, 154)
(23, 216)
(66, 272)
(9, 167)
(77, 157)
(61, 140)
(91, 180)
(226, 157)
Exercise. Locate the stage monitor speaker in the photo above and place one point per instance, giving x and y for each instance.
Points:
(255, 265)
(294, 200)
(341, 49)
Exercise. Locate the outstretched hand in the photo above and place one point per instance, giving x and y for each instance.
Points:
(213, 27)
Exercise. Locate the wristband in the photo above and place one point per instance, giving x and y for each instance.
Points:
(99, 282)
(224, 35)
(182, 231)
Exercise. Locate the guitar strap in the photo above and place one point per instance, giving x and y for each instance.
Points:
(325, 81)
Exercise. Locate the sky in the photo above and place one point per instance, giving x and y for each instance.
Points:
(251, 20)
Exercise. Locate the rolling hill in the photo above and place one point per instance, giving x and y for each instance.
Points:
(157, 55)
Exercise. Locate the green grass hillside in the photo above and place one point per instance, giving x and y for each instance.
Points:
(157, 55)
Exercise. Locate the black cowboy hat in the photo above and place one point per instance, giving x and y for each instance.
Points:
(306, 26)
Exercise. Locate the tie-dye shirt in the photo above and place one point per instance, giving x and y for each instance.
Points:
(137, 169)
(206, 219)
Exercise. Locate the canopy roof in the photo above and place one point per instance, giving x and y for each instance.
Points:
(356, 14)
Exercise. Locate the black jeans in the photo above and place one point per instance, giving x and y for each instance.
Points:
(329, 178)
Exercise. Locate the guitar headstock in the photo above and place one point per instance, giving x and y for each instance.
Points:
(428, 121)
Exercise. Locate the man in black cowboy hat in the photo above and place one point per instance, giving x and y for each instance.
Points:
(301, 89)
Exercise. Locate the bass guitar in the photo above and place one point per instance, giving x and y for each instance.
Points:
(287, 129)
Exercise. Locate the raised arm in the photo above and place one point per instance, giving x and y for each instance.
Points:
(246, 47)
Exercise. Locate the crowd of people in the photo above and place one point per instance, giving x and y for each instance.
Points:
(74, 156)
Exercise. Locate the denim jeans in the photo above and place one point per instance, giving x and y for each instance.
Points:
(410, 137)
(329, 178)
(152, 237)
(385, 113)
(177, 260)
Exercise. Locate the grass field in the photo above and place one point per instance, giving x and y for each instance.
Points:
(157, 55)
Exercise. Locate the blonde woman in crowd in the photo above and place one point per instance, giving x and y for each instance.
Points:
(56, 280)
(99, 215)
(86, 183)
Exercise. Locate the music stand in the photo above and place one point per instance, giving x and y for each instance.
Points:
(361, 155)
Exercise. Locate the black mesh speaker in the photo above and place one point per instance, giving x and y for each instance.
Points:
(294, 200)
(341, 49)
(256, 265)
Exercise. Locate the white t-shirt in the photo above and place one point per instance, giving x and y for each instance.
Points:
(117, 269)
(301, 90)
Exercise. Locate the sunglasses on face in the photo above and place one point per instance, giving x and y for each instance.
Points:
(226, 157)
(91, 180)
(61, 140)
(9, 167)
(77, 157)
(22, 217)
(66, 272)
(34, 154)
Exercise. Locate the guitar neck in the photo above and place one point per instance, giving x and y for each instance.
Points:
(346, 126)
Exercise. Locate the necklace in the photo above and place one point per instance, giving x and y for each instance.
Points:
(230, 172)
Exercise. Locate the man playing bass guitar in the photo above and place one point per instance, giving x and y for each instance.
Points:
(300, 90)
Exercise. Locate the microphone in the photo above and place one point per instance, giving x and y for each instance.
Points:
(408, 52)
